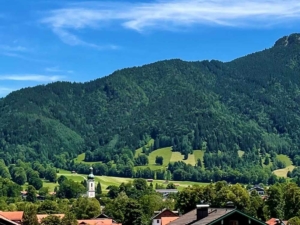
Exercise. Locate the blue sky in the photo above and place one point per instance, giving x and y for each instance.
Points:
(43, 41)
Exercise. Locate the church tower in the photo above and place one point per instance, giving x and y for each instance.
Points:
(91, 184)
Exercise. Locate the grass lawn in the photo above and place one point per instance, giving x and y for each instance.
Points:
(199, 154)
(177, 156)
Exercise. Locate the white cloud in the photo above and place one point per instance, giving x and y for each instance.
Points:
(31, 77)
(169, 14)
(57, 70)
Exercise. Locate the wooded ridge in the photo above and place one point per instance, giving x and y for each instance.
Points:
(250, 104)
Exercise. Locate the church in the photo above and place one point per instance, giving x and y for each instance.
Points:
(91, 184)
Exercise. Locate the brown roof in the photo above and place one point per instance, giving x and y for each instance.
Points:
(191, 217)
(42, 216)
(14, 216)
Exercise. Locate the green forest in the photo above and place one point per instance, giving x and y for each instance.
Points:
(251, 104)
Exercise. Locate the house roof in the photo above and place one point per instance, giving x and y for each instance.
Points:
(229, 213)
(214, 215)
(167, 220)
(2, 218)
(14, 216)
(166, 190)
(42, 216)
(158, 213)
(98, 222)
(273, 221)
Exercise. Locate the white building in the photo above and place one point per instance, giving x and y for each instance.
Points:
(91, 185)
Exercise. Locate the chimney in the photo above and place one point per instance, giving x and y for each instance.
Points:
(202, 211)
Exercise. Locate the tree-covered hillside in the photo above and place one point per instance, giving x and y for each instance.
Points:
(250, 104)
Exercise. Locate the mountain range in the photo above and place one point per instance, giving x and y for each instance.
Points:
(251, 104)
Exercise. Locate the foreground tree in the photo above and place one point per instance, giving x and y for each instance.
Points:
(29, 217)
(133, 213)
(69, 219)
(294, 221)
(86, 208)
(51, 220)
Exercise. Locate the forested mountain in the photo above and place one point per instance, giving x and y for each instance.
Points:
(250, 104)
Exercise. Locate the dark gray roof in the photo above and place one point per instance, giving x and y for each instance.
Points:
(191, 217)
(214, 214)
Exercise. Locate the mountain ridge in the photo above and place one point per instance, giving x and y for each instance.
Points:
(250, 103)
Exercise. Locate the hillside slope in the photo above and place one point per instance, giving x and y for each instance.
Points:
(250, 104)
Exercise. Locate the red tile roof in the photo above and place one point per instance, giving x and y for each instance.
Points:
(14, 216)
(166, 220)
(42, 216)
(272, 221)
(7, 221)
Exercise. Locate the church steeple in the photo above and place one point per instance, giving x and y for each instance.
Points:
(91, 184)
(91, 175)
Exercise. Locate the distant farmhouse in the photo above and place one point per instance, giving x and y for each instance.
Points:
(258, 189)
(166, 192)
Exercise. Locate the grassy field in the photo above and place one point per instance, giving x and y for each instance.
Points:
(177, 156)
(80, 159)
(139, 150)
(289, 166)
(199, 154)
(166, 153)
(107, 181)
(285, 159)
(283, 172)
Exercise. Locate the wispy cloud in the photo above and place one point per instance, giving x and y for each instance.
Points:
(169, 14)
(21, 56)
(31, 77)
(57, 70)
(13, 48)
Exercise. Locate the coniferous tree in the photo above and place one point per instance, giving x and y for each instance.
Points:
(98, 189)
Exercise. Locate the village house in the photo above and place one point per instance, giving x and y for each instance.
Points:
(15, 218)
(204, 215)
(258, 189)
(166, 192)
(164, 217)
